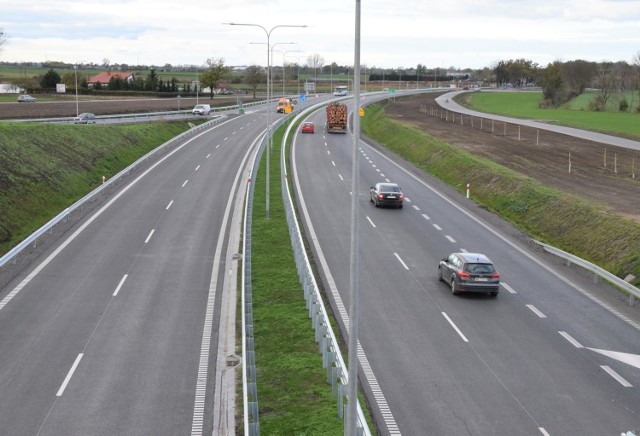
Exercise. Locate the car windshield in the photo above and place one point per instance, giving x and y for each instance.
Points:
(479, 268)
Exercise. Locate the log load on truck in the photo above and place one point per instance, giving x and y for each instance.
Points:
(337, 118)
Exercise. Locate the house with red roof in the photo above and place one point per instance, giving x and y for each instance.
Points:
(105, 76)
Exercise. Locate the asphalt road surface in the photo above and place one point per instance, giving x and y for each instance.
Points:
(548, 356)
(117, 330)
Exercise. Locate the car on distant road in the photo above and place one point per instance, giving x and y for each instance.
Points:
(386, 194)
(469, 272)
(307, 127)
(25, 98)
(85, 118)
(201, 109)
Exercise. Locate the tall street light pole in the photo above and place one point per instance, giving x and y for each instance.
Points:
(354, 265)
(268, 33)
(75, 70)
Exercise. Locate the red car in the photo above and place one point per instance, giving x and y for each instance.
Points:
(307, 127)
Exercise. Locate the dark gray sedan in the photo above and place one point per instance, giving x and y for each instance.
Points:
(469, 272)
(386, 194)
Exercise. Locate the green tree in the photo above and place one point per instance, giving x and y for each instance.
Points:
(254, 75)
(215, 72)
(50, 79)
(151, 84)
(552, 85)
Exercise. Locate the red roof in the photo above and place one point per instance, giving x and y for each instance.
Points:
(104, 78)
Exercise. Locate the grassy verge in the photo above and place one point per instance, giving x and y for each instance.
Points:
(567, 222)
(293, 397)
(44, 168)
(525, 105)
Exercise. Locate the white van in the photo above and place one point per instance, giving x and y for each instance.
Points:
(201, 109)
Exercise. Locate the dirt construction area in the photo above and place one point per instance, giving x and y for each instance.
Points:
(601, 173)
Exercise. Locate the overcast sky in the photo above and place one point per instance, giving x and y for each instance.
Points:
(459, 33)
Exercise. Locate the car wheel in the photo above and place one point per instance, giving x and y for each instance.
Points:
(440, 274)
(494, 294)
(454, 291)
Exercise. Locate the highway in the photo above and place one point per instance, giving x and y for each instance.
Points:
(547, 356)
(118, 329)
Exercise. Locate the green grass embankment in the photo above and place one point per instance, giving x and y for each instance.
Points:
(44, 168)
(567, 222)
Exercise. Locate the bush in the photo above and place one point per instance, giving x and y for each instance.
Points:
(623, 106)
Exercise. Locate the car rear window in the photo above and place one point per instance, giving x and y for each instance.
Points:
(479, 268)
(389, 188)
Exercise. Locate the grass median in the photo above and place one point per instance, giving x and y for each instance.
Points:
(293, 396)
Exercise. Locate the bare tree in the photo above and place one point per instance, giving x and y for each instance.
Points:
(315, 61)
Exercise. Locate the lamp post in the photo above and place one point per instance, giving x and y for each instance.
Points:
(268, 33)
(75, 70)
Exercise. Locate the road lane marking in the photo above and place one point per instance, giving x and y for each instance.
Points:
(333, 163)
(616, 376)
(415, 207)
(401, 261)
(628, 358)
(464, 250)
(169, 205)
(146, 241)
(198, 167)
(185, 183)
(535, 310)
(120, 284)
(508, 288)
(437, 227)
(69, 375)
(543, 431)
(218, 146)
(425, 216)
(371, 222)
(571, 340)
(453, 241)
(208, 156)
(455, 327)
(340, 175)
(386, 179)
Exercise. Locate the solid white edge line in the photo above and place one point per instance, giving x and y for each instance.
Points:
(401, 261)
(616, 376)
(69, 375)
(571, 340)
(120, 284)
(535, 310)
(455, 327)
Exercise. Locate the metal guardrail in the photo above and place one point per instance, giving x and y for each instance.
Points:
(32, 240)
(144, 116)
(570, 258)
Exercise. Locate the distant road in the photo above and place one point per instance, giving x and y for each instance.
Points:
(446, 101)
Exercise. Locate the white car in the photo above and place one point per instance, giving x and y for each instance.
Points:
(26, 99)
(202, 109)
